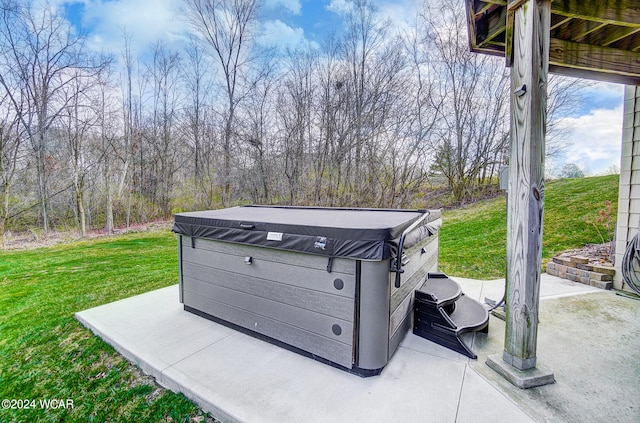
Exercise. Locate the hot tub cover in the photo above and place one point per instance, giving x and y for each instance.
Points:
(366, 234)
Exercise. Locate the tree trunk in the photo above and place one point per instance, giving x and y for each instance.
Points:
(108, 199)
(4, 215)
(82, 220)
(42, 183)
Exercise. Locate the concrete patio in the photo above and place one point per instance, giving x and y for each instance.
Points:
(589, 338)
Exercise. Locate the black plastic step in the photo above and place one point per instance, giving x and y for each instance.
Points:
(441, 313)
(438, 289)
(469, 315)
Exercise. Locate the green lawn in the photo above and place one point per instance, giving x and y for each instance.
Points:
(46, 354)
(473, 239)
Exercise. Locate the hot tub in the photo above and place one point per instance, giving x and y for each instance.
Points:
(324, 282)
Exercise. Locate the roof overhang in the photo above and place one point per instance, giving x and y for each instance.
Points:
(594, 39)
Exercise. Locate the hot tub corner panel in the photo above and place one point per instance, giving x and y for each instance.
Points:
(180, 284)
(373, 315)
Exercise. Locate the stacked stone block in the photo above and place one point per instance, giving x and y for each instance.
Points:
(578, 269)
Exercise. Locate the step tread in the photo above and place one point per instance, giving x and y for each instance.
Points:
(469, 314)
(439, 289)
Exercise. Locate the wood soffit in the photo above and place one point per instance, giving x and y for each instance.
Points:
(594, 39)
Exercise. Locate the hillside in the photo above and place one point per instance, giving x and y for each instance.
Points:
(473, 239)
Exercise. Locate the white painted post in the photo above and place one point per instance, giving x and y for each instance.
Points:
(526, 178)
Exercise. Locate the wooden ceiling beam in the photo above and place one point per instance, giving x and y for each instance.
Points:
(491, 39)
(483, 9)
(561, 22)
(581, 29)
(594, 75)
(489, 25)
(599, 20)
(496, 43)
(608, 61)
(618, 34)
(604, 34)
(489, 48)
(603, 11)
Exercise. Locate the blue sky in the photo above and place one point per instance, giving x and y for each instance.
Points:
(316, 18)
(290, 21)
(287, 22)
(595, 130)
(310, 18)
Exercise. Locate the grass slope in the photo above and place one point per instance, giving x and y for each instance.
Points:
(46, 354)
(473, 239)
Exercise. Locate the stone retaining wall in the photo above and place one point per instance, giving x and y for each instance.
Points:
(578, 269)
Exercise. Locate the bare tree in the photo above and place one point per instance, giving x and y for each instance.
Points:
(198, 83)
(295, 116)
(367, 119)
(365, 35)
(331, 149)
(164, 75)
(127, 152)
(415, 120)
(10, 142)
(473, 118)
(39, 54)
(258, 112)
(473, 134)
(78, 119)
(106, 110)
(227, 26)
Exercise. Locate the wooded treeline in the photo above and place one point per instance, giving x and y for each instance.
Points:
(369, 118)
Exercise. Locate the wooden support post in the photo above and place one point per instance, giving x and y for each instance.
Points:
(530, 64)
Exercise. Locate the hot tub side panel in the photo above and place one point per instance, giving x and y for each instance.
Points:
(423, 258)
(287, 296)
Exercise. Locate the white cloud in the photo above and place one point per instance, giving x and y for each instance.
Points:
(401, 11)
(596, 139)
(340, 7)
(145, 20)
(402, 14)
(293, 6)
(279, 33)
(606, 90)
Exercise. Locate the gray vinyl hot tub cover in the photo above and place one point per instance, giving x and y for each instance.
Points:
(366, 234)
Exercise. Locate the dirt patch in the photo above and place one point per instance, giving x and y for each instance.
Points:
(598, 254)
(36, 239)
